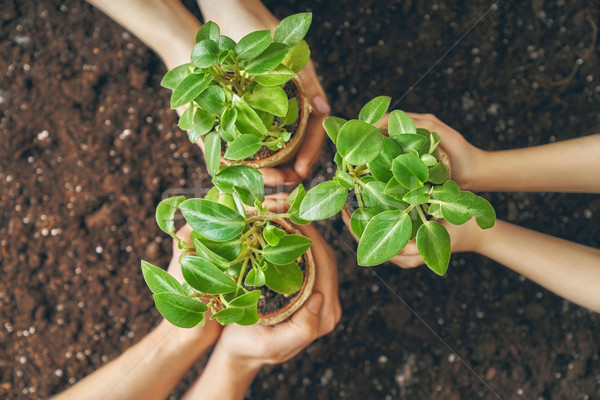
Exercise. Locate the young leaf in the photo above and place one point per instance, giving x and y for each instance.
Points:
(212, 152)
(433, 243)
(206, 277)
(251, 45)
(228, 118)
(243, 147)
(205, 53)
(375, 109)
(332, 126)
(344, 179)
(277, 76)
(165, 213)
(272, 234)
(173, 78)
(292, 29)
(417, 196)
(284, 279)
(384, 236)
(244, 180)
(212, 99)
(298, 56)
(226, 43)
(359, 142)
(400, 123)
(289, 248)
(159, 280)
(323, 201)
(449, 192)
(228, 315)
(255, 277)
(189, 88)
(409, 171)
(429, 160)
(229, 250)
(295, 198)
(271, 99)
(205, 253)
(466, 206)
(292, 114)
(179, 309)
(435, 210)
(186, 119)
(212, 220)
(247, 120)
(359, 220)
(438, 174)
(209, 30)
(409, 142)
(268, 59)
(203, 122)
(247, 300)
(381, 166)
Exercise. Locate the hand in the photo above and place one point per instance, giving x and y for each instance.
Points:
(464, 157)
(254, 346)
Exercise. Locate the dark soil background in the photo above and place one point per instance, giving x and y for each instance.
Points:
(89, 147)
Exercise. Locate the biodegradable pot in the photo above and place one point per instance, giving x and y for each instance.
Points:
(302, 295)
(442, 157)
(289, 150)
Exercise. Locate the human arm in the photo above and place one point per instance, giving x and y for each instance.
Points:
(242, 350)
(166, 26)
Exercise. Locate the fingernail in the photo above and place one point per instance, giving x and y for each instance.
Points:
(315, 303)
(321, 104)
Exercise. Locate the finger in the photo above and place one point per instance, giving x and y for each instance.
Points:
(311, 146)
(407, 261)
(410, 249)
(277, 202)
(285, 176)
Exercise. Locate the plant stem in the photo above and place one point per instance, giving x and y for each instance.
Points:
(423, 218)
(241, 276)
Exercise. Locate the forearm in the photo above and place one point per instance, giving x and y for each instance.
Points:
(222, 379)
(568, 269)
(148, 370)
(238, 17)
(166, 26)
(568, 166)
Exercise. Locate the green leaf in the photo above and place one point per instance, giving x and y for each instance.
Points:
(332, 126)
(381, 166)
(395, 189)
(186, 119)
(268, 59)
(205, 53)
(298, 56)
(247, 120)
(295, 200)
(229, 250)
(466, 206)
(173, 78)
(244, 180)
(277, 76)
(375, 109)
(433, 243)
(212, 99)
(375, 197)
(359, 220)
(384, 236)
(212, 152)
(226, 43)
(165, 213)
(206, 277)
(359, 142)
(212, 220)
(400, 123)
(209, 30)
(292, 113)
(435, 210)
(449, 191)
(228, 118)
(409, 141)
(438, 174)
(202, 124)
(159, 280)
(180, 310)
(292, 29)
(253, 44)
(247, 300)
(272, 234)
(189, 88)
(228, 315)
(417, 196)
(323, 201)
(344, 179)
(250, 317)
(255, 277)
(207, 254)
(243, 147)
(409, 171)
(429, 160)
(289, 248)
(284, 279)
(271, 99)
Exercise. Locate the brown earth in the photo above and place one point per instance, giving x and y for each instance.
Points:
(89, 147)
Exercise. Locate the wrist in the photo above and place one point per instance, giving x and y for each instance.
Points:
(478, 169)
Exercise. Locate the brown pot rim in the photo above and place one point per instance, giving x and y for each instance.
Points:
(291, 148)
(305, 292)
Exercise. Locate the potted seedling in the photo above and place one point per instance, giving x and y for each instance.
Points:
(244, 99)
(398, 187)
(244, 267)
